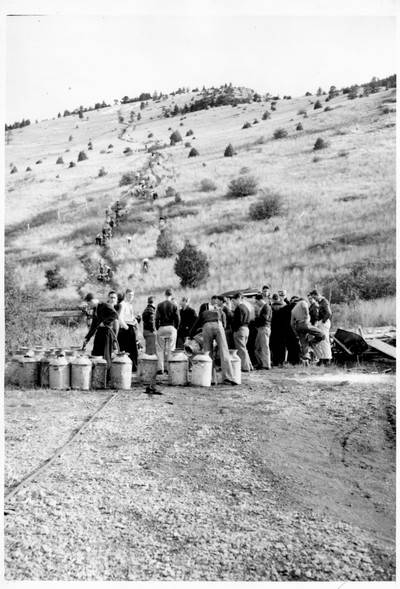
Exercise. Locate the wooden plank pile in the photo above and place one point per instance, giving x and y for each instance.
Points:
(370, 344)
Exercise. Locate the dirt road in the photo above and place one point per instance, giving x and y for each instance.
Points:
(282, 478)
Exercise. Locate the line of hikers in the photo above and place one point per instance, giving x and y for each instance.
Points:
(268, 331)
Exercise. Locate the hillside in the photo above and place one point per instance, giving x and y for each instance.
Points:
(338, 203)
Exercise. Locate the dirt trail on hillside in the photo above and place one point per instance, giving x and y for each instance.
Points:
(273, 480)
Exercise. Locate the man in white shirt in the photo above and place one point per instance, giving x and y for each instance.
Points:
(127, 327)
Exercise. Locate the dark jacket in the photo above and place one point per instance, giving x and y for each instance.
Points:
(206, 316)
(241, 317)
(314, 313)
(149, 316)
(188, 318)
(325, 312)
(103, 314)
(167, 314)
(264, 317)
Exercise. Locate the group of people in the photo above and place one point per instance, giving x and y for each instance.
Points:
(268, 331)
(112, 219)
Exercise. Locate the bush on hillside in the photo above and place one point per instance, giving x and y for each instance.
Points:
(255, 122)
(188, 133)
(127, 178)
(28, 169)
(150, 135)
(54, 278)
(302, 111)
(280, 133)
(82, 156)
(39, 162)
(72, 164)
(166, 246)
(320, 144)
(317, 104)
(175, 137)
(246, 125)
(14, 170)
(60, 160)
(70, 138)
(191, 266)
(229, 151)
(90, 146)
(128, 151)
(102, 172)
(170, 191)
(242, 186)
(270, 205)
(193, 152)
(327, 108)
(110, 146)
(299, 127)
(365, 279)
(207, 185)
(266, 115)
(178, 199)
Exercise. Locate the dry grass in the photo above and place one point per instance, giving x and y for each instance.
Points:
(314, 195)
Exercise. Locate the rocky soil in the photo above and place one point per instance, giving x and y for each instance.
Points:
(279, 479)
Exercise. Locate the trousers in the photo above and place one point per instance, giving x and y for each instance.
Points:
(261, 347)
(240, 338)
(165, 344)
(214, 331)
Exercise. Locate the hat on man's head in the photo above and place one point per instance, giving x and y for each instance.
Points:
(275, 297)
(266, 286)
(89, 297)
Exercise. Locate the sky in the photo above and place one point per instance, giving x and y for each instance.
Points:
(60, 61)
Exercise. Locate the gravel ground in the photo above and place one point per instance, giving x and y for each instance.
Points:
(279, 479)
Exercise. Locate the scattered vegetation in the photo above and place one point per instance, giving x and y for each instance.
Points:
(190, 132)
(82, 156)
(128, 151)
(320, 144)
(60, 160)
(193, 152)
(246, 125)
(72, 164)
(166, 246)
(175, 137)
(191, 266)
(317, 104)
(14, 170)
(207, 185)
(242, 186)
(299, 127)
(280, 133)
(266, 115)
(229, 151)
(270, 205)
(102, 172)
(54, 278)
(127, 178)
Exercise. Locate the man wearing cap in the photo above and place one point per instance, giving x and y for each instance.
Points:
(104, 326)
(265, 291)
(167, 323)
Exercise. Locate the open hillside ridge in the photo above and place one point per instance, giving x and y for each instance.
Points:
(338, 202)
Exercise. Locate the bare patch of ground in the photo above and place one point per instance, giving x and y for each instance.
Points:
(278, 479)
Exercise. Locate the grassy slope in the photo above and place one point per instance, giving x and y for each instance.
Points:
(75, 202)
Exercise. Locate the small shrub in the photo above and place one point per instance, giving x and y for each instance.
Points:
(316, 159)
(60, 160)
(150, 135)
(39, 162)
(327, 108)
(242, 186)
(103, 151)
(246, 125)
(266, 115)
(28, 169)
(188, 133)
(166, 246)
(14, 170)
(244, 170)
(82, 156)
(175, 137)
(255, 122)
(70, 138)
(207, 185)
(54, 278)
(343, 153)
(280, 133)
(270, 205)
(90, 146)
(110, 146)
(193, 152)
(229, 151)
(128, 151)
(302, 111)
(170, 191)
(178, 199)
(299, 127)
(72, 164)
(102, 172)
(188, 144)
(191, 266)
(127, 178)
(317, 104)
(320, 144)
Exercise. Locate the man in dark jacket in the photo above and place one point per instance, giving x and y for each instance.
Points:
(167, 323)
(149, 326)
(104, 326)
(240, 328)
(188, 318)
(263, 325)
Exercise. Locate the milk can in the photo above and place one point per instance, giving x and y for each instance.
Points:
(44, 368)
(236, 366)
(148, 368)
(178, 368)
(99, 372)
(29, 372)
(59, 373)
(15, 367)
(121, 371)
(81, 372)
(202, 370)
(39, 351)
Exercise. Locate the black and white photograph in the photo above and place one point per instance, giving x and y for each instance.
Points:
(199, 291)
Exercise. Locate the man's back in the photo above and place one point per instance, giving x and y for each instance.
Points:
(167, 314)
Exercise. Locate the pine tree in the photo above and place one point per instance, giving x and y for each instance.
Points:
(191, 266)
